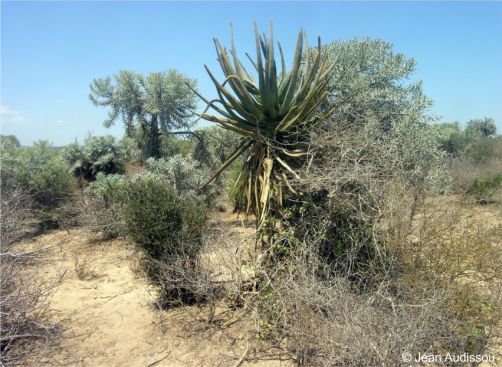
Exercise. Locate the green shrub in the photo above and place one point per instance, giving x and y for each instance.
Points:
(107, 197)
(214, 146)
(482, 149)
(483, 189)
(184, 175)
(39, 170)
(172, 145)
(181, 173)
(169, 226)
(160, 220)
(97, 154)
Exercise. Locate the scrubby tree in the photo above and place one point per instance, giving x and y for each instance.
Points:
(374, 85)
(371, 90)
(451, 137)
(172, 144)
(9, 141)
(39, 170)
(96, 154)
(214, 145)
(477, 142)
(483, 127)
(148, 105)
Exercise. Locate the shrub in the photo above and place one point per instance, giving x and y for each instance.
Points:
(483, 189)
(184, 175)
(370, 262)
(168, 225)
(24, 301)
(214, 146)
(171, 145)
(39, 170)
(107, 197)
(366, 276)
(15, 209)
(97, 154)
(181, 173)
(160, 220)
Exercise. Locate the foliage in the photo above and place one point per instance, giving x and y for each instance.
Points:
(478, 142)
(97, 154)
(450, 138)
(128, 150)
(107, 197)
(9, 141)
(214, 145)
(273, 115)
(171, 145)
(39, 170)
(148, 105)
(368, 264)
(163, 223)
(482, 127)
(370, 98)
(475, 157)
(482, 149)
(180, 173)
(483, 189)
(370, 85)
(342, 188)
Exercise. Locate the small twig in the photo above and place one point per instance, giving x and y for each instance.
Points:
(20, 336)
(243, 357)
(158, 360)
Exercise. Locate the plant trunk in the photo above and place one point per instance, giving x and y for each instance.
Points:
(154, 138)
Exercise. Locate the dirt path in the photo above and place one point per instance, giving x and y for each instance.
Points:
(107, 316)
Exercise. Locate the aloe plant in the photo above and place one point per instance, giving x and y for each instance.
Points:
(273, 114)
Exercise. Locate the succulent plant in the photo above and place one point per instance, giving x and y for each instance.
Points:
(272, 113)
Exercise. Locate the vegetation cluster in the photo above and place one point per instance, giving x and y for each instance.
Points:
(367, 245)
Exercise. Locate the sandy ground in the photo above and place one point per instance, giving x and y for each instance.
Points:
(106, 313)
(107, 317)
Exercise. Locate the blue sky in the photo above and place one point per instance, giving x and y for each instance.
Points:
(51, 51)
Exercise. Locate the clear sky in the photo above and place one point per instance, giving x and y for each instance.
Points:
(51, 51)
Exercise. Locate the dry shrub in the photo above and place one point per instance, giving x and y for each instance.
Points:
(23, 300)
(15, 210)
(437, 291)
(369, 268)
(465, 173)
(83, 268)
(185, 280)
(103, 205)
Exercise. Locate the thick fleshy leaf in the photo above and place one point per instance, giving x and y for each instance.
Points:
(273, 113)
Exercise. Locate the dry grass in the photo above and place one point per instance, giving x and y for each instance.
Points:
(371, 264)
(439, 291)
(465, 173)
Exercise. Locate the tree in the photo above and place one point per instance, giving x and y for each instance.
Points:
(214, 145)
(148, 105)
(451, 138)
(370, 85)
(482, 127)
(273, 115)
(9, 141)
(373, 90)
(96, 154)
